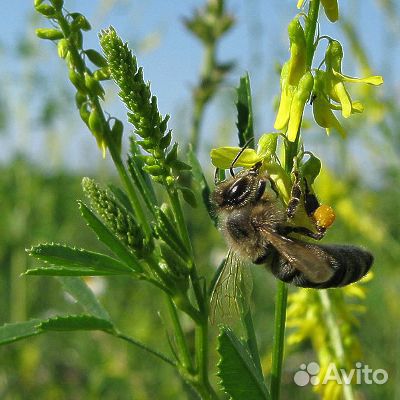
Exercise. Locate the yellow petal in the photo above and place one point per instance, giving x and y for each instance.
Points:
(344, 98)
(297, 107)
(324, 116)
(224, 156)
(282, 117)
(300, 3)
(297, 61)
(371, 80)
(356, 107)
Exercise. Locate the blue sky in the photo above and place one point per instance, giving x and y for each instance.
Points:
(172, 58)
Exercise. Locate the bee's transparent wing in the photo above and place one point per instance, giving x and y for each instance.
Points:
(232, 290)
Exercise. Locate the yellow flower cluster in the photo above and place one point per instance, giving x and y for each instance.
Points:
(328, 320)
(325, 89)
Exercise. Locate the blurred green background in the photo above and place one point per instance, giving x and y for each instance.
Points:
(45, 151)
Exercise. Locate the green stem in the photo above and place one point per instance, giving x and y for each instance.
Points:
(310, 28)
(203, 384)
(186, 360)
(335, 336)
(200, 99)
(291, 150)
(176, 206)
(251, 339)
(279, 339)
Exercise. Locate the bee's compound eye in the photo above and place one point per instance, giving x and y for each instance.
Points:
(238, 191)
(260, 189)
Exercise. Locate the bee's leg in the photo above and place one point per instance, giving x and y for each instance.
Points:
(273, 186)
(301, 230)
(311, 202)
(307, 232)
(295, 196)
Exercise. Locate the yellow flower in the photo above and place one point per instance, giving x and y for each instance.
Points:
(334, 79)
(296, 83)
(299, 101)
(322, 111)
(223, 157)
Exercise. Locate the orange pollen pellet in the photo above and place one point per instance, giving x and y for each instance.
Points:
(324, 216)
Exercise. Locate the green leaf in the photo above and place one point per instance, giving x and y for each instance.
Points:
(84, 296)
(188, 196)
(311, 169)
(172, 155)
(63, 271)
(68, 260)
(141, 179)
(75, 323)
(105, 236)
(244, 112)
(169, 234)
(122, 197)
(239, 377)
(180, 166)
(20, 330)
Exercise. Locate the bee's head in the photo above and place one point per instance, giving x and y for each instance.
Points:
(241, 189)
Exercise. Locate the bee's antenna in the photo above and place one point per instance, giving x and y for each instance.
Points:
(239, 154)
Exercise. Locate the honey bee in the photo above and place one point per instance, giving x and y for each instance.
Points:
(258, 227)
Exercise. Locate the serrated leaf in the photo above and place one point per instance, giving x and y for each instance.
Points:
(75, 323)
(68, 259)
(51, 270)
(20, 330)
(84, 296)
(107, 237)
(244, 112)
(239, 377)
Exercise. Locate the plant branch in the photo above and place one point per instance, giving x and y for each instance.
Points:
(279, 339)
(145, 347)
